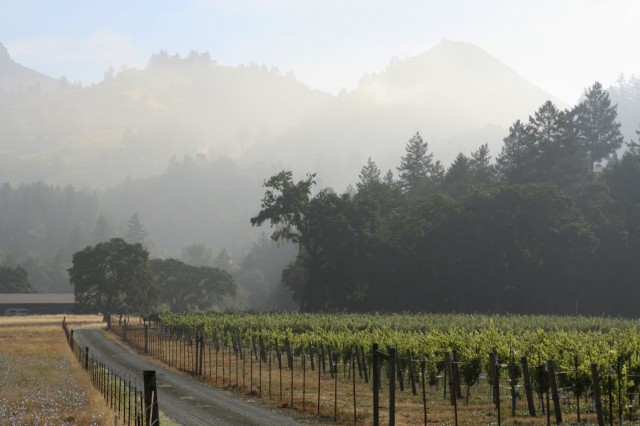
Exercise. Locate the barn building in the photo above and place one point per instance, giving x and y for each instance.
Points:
(37, 304)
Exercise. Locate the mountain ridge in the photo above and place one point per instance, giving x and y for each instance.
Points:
(16, 77)
(454, 105)
(132, 123)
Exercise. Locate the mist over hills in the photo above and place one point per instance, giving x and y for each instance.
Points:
(132, 123)
(17, 78)
(186, 143)
(457, 95)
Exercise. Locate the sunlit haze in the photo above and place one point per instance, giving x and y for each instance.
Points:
(560, 46)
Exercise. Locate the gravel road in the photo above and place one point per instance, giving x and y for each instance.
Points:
(182, 398)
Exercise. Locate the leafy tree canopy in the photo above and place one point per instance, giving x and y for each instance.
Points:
(14, 280)
(197, 255)
(186, 287)
(113, 277)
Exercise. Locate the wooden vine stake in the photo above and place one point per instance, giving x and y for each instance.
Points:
(554, 390)
(527, 386)
(597, 396)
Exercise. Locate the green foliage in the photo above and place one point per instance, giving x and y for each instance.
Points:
(14, 280)
(597, 128)
(545, 149)
(197, 255)
(539, 232)
(284, 204)
(113, 277)
(260, 275)
(187, 288)
(369, 175)
(572, 342)
(416, 166)
(41, 226)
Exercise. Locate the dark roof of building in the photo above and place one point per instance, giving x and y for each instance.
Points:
(36, 298)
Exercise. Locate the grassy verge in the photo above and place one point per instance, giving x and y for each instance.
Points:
(40, 381)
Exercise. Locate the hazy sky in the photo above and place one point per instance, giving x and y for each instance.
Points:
(560, 45)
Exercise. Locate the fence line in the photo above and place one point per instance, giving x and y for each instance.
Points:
(121, 392)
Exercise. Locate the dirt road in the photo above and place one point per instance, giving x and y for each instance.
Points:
(182, 398)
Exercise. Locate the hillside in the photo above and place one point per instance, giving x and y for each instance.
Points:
(132, 123)
(457, 95)
(17, 78)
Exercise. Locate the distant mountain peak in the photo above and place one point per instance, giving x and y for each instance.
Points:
(14, 76)
(4, 53)
(459, 72)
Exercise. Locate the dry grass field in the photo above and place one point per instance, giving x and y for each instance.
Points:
(40, 381)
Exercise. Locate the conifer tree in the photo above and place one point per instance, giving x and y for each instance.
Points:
(369, 174)
(135, 230)
(595, 120)
(415, 166)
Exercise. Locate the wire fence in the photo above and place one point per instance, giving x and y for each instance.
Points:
(121, 392)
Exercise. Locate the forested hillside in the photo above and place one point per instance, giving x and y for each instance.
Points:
(535, 223)
(189, 212)
(550, 227)
(134, 121)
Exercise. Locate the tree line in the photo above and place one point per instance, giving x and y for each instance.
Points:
(551, 226)
(117, 277)
(42, 225)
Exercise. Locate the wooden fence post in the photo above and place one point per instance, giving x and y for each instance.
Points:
(597, 396)
(496, 386)
(492, 374)
(412, 373)
(554, 390)
(392, 387)
(424, 388)
(376, 385)
(151, 398)
(364, 364)
(527, 386)
(146, 339)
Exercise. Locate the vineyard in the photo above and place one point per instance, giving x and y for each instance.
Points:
(428, 369)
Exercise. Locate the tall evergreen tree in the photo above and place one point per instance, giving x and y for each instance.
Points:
(559, 157)
(388, 178)
(546, 149)
(436, 175)
(546, 126)
(458, 178)
(135, 230)
(369, 174)
(484, 173)
(595, 120)
(102, 231)
(514, 162)
(415, 166)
